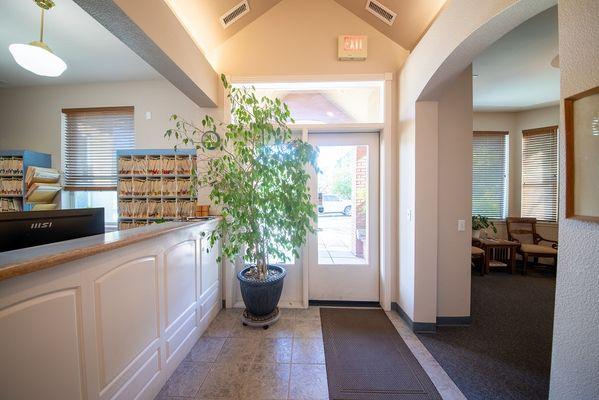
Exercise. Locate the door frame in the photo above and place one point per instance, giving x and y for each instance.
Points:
(370, 138)
(388, 233)
(386, 194)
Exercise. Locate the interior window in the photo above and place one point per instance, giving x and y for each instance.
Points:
(490, 174)
(539, 173)
(91, 137)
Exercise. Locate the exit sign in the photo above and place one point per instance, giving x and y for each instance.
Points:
(352, 47)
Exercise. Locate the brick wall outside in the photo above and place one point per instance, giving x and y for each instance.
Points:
(360, 201)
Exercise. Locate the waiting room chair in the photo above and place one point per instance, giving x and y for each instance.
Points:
(478, 254)
(524, 231)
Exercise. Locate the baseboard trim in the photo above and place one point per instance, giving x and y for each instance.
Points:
(418, 327)
(454, 321)
(337, 303)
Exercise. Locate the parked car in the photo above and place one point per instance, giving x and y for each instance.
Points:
(332, 203)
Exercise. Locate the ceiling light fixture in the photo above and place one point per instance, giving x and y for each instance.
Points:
(37, 56)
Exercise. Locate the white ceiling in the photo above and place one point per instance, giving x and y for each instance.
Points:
(515, 73)
(91, 52)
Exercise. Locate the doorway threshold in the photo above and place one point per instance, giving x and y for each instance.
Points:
(341, 303)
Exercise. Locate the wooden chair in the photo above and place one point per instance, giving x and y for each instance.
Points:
(524, 231)
(478, 254)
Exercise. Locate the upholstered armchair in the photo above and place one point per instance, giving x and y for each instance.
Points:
(524, 231)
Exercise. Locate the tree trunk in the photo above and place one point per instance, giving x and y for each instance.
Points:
(262, 268)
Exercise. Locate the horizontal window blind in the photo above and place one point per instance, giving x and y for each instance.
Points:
(489, 174)
(539, 173)
(92, 136)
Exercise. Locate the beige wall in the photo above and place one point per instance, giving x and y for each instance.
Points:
(460, 32)
(407, 201)
(300, 37)
(574, 365)
(31, 116)
(515, 123)
(455, 197)
(425, 214)
(161, 25)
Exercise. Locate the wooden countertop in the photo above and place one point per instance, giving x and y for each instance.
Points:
(24, 261)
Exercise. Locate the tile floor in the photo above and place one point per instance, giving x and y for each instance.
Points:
(284, 362)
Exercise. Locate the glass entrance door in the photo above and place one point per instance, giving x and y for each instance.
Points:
(343, 253)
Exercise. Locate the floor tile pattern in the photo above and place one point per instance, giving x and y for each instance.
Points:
(285, 362)
(231, 361)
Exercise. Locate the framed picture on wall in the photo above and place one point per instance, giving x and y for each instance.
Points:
(582, 155)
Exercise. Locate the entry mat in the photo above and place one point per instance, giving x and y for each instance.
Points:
(366, 358)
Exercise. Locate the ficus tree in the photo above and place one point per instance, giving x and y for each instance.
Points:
(258, 175)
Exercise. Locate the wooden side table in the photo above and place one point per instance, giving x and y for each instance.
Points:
(489, 244)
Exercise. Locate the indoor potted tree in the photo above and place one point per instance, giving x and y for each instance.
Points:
(257, 174)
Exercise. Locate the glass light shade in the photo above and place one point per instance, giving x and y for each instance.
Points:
(37, 58)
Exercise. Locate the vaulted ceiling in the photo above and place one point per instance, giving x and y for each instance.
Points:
(201, 18)
(413, 18)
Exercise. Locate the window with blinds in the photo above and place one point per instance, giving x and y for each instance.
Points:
(539, 173)
(489, 174)
(91, 138)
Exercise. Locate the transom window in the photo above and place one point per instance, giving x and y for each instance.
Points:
(327, 102)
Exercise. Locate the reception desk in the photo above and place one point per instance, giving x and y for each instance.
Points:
(107, 316)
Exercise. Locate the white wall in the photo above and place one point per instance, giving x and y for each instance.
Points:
(31, 116)
(575, 357)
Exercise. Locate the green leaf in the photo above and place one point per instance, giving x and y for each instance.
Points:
(257, 176)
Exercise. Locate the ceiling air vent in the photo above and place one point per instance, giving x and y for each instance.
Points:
(234, 14)
(380, 11)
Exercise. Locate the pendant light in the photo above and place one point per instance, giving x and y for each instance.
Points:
(37, 56)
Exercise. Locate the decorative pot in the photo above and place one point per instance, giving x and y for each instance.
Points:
(261, 297)
(476, 234)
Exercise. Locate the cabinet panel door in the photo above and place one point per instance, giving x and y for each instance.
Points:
(210, 267)
(40, 343)
(126, 301)
(179, 280)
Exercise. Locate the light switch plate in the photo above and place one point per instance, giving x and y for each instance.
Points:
(148, 114)
(461, 225)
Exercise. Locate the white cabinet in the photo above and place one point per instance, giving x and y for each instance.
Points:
(110, 326)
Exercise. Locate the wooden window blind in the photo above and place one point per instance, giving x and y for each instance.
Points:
(92, 136)
(539, 173)
(489, 174)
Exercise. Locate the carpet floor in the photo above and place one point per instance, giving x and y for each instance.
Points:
(506, 352)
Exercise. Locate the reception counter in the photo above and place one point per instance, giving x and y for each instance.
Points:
(108, 316)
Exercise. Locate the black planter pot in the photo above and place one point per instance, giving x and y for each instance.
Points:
(261, 297)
